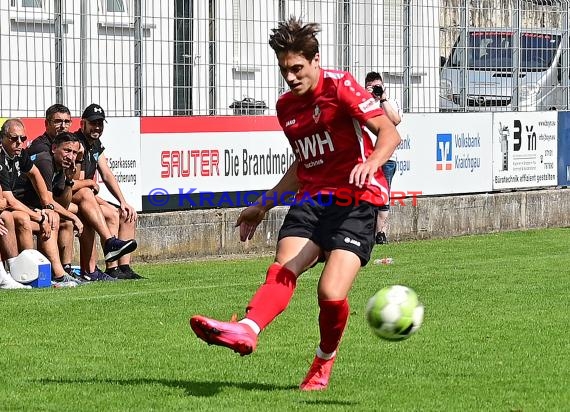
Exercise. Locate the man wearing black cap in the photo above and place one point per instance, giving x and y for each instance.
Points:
(121, 220)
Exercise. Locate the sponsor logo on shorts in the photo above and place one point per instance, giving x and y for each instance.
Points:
(351, 241)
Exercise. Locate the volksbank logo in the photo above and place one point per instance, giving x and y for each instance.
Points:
(443, 152)
(467, 151)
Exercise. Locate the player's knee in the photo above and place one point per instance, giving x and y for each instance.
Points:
(8, 219)
(65, 225)
(56, 220)
(83, 195)
(23, 223)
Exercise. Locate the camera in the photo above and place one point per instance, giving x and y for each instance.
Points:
(377, 90)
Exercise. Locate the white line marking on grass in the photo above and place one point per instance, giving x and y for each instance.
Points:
(155, 291)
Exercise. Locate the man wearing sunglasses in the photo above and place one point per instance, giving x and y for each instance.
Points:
(44, 221)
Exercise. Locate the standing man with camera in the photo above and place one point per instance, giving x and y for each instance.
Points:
(375, 85)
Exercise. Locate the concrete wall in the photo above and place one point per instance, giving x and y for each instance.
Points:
(202, 233)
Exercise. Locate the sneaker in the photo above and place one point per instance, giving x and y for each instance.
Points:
(114, 272)
(115, 248)
(317, 378)
(236, 336)
(65, 281)
(381, 238)
(8, 282)
(119, 272)
(96, 276)
(129, 273)
(73, 273)
(76, 275)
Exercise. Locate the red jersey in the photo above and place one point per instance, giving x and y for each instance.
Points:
(324, 129)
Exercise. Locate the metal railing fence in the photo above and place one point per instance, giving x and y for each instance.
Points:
(211, 57)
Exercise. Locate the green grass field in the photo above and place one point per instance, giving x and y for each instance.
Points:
(495, 336)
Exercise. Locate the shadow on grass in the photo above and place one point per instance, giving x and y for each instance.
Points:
(192, 388)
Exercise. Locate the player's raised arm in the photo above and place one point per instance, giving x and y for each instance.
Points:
(387, 141)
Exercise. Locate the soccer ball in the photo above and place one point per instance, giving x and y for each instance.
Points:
(395, 313)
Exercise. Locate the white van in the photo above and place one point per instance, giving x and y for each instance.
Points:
(488, 69)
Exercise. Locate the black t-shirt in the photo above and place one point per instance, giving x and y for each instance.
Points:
(12, 168)
(91, 155)
(55, 181)
(40, 144)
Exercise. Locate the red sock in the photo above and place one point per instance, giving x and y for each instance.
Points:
(273, 296)
(333, 317)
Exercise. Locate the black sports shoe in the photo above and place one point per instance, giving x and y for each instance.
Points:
(115, 273)
(115, 248)
(96, 276)
(129, 273)
(381, 238)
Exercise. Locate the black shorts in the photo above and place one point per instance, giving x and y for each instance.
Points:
(333, 227)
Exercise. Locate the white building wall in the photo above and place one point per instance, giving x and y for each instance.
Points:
(245, 64)
(158, 48)
(230, 57)
(27, 76)
(200, 60)
(378, 45)
(27, 64)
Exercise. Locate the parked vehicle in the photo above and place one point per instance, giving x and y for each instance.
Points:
(480, 73)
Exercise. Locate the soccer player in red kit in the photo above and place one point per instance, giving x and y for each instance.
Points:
(322, 116)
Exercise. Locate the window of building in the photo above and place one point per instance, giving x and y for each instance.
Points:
(246, 25)
(116, 6)
(115, 13)
(34, 11)
(32, 3)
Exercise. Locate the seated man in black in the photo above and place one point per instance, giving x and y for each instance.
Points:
(56, 168)
(121, 219)
(40, 218)
(57, 120)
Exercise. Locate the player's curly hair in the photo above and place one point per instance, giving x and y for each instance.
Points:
(294, 36)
